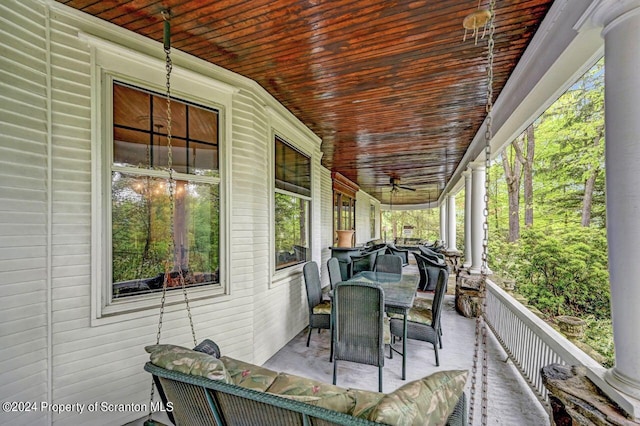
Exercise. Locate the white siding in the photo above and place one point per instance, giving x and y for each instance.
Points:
(24, 219)
(46, 229)
(363, 216)
(326, 234)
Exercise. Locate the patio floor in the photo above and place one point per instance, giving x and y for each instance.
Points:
(510, 401)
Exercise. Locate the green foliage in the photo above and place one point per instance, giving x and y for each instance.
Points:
(599, 336)
(561, 272)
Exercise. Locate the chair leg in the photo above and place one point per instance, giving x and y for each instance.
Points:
(335, 367)
(331, 350)
(379, 379)
(309, 336)
(435, 348)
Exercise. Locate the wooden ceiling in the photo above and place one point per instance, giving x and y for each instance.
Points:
(389, 86)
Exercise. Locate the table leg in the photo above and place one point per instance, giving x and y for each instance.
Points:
(404, 346)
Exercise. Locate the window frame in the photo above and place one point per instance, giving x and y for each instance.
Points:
(296, 195)
(285, 127)
(109, 63)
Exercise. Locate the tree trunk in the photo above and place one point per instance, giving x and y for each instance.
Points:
(512, 172)
(587, 199)
(528, 178)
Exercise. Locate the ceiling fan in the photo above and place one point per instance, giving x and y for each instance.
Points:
(395, 185)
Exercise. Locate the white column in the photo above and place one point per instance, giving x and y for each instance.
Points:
(443, 221)
(451, 223)
(467, 218)
(477, 217)
(621, 21)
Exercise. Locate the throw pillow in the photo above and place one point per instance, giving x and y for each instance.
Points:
(427, 401)
(187, 361)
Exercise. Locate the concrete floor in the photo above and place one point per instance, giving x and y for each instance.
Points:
(510, 401)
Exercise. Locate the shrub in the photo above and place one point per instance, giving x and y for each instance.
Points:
(564, 272)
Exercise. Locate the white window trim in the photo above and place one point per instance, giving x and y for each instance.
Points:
(111, 62)
(294, 137)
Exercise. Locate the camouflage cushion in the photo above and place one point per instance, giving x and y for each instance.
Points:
(330, 396)
(423, 302)
(428, 401)
(386, 328)
(417, 314)
(323, 307)
(365, 402)
(249, 375)
(187, 361)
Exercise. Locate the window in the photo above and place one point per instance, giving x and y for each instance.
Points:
(372, 220)
(344, 204)
(148, 209)
(292, 205)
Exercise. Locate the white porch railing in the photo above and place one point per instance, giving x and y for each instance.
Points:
(531, 343)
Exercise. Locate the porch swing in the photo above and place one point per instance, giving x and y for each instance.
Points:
(173, 274)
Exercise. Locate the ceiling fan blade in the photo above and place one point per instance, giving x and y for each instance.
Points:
(407, 188)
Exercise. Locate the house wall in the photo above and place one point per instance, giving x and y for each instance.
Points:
(53, 349)
(363, 217)
(25, 269)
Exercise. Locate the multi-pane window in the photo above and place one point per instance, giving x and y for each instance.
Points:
(151, 210)
(292, 205)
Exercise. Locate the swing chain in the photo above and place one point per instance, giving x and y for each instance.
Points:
(481, 327)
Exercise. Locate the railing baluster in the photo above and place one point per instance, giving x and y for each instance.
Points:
(528, 341)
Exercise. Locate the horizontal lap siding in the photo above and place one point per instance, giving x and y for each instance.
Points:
(249, 238)
(104, 362)
(326, 234)
(23, 209)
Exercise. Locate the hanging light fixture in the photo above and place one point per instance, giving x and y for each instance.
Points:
(476, 20)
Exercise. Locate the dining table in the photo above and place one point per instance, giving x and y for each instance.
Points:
(399, 294)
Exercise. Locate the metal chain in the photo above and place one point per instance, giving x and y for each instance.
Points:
(481, 328)
(172, 183)
(169, 67)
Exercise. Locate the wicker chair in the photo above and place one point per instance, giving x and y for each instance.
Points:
(425, 251)
(389, 263)
(429, 268)
(424, 324)
(359, 330)
(333, 266)
(319, 309)
(403, 253)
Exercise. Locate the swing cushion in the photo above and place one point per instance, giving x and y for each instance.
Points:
(187, 361)
(248, 375)
(430, 400)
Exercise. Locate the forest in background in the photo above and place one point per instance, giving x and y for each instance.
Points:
(547, 218)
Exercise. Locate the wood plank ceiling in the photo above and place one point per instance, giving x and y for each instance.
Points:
(389, 86)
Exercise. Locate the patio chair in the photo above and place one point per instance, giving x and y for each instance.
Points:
(333, 266)
(389, 263)
(365, 261)
(429, 267)
(424, 324)
(430, 252)
(319, 309)
(404, 254)
(358, 320)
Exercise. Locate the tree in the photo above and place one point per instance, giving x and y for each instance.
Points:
(512, 172)
(570, 150)
(528, 176)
